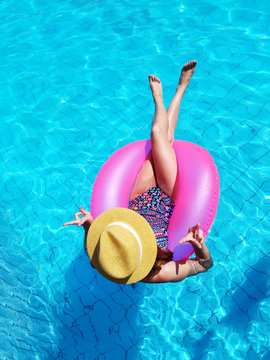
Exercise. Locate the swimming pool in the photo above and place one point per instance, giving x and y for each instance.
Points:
(73, 89)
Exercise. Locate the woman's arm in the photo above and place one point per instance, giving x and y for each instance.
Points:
(175, 271)
(85, 221)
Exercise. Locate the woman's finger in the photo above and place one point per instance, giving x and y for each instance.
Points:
(194, 229)
(185, 239)
(77, 215)
(182, 241)
(200, 234)
(71, 223)
(84, 211)
(196, 243)
(83, 220)
(192, 241)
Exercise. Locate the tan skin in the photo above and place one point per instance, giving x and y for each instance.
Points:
(160, 168)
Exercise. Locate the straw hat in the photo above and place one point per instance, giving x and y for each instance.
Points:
(121, 246)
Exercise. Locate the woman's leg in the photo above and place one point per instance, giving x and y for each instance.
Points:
(164, 158)
(147, 177)
(174, 107)
(160, 166)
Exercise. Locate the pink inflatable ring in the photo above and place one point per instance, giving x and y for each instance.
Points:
(197, 188)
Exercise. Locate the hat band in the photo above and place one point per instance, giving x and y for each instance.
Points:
(130, 229)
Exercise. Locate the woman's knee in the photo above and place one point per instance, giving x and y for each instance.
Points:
(157, 133)
(170, 138)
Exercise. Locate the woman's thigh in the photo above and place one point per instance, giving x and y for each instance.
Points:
(159, 168)
(165, 163)
(146, 179)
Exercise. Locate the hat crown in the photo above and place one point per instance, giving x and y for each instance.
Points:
(121, 228)
(119, 250)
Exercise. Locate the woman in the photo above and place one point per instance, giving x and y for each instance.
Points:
(153, 193)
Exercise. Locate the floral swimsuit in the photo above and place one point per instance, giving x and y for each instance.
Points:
(157, 208)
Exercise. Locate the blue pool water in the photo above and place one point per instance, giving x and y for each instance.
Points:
(73, 90)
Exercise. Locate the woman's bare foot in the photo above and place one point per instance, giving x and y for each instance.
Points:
(156, 87)
(186, 74)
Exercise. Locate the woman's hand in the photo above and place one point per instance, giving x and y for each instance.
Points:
(86, 220)
(195, 237)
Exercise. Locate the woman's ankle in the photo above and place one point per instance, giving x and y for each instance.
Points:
(181, 89)
(158, 99)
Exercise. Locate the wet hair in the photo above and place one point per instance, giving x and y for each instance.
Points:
(163, 257)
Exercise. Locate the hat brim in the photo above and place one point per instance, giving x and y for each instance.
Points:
(144, 231)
